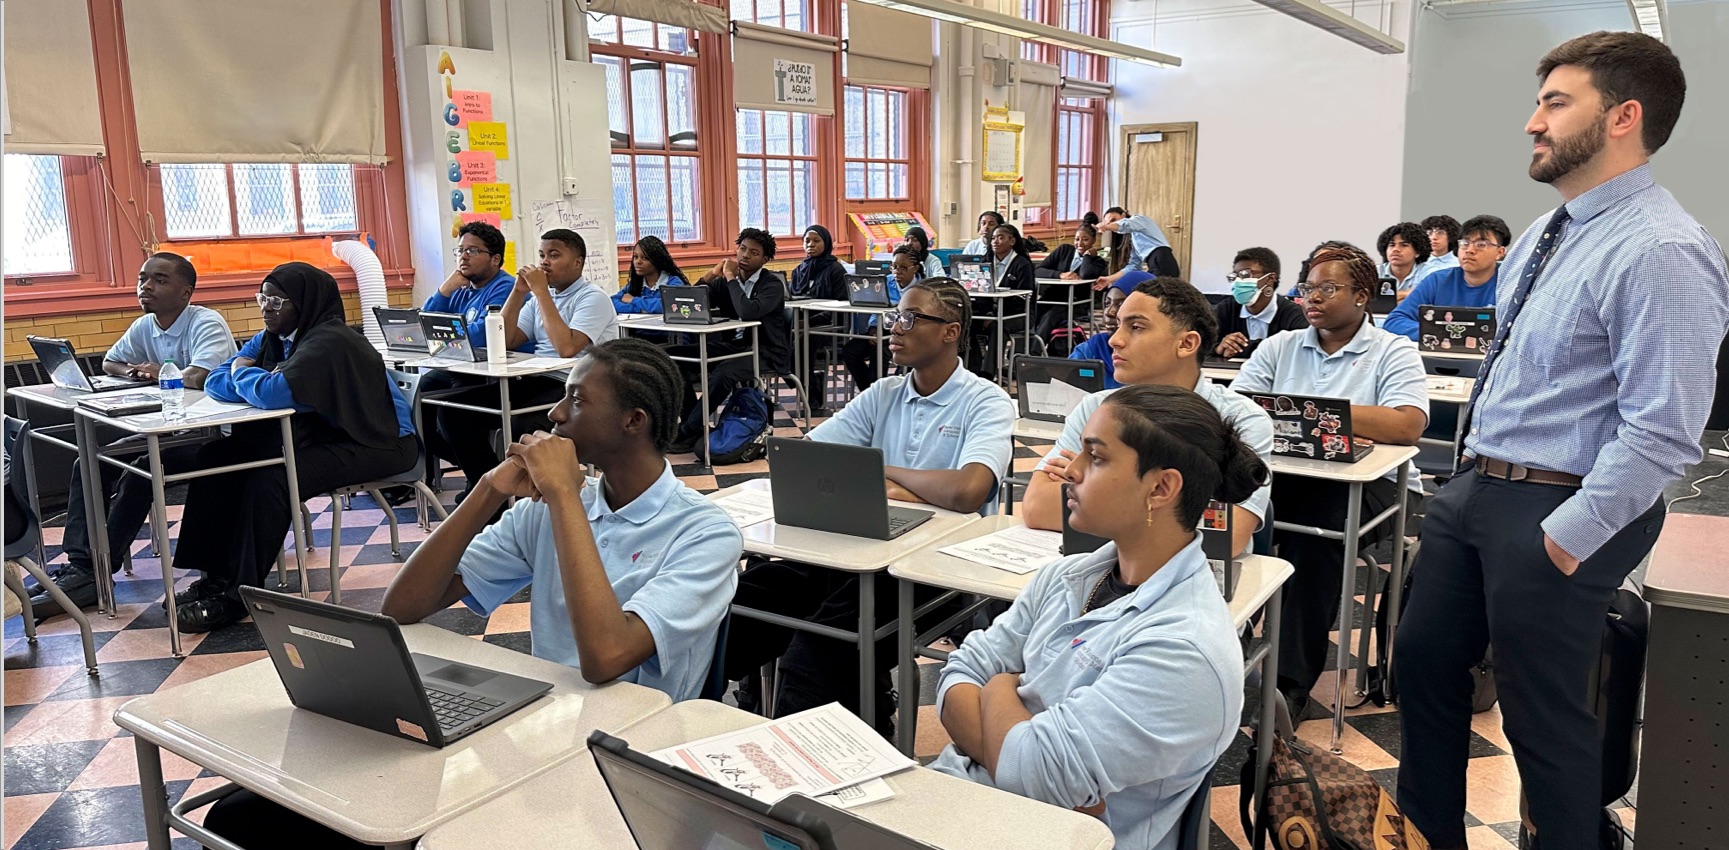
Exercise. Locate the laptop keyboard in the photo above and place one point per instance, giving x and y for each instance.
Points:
(896, 523)
(454, 710)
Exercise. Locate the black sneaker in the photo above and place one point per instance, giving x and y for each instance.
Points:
(79, 586)
(195, 591)
(399, 495)
(210, 613)
(683, 445)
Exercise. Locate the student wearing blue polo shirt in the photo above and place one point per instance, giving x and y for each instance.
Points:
(631, 571)
(1165, 328)
(1470, 283)
(1444, 233)
(1341, 355)
(1405, 256)
(989, 221)
(1098, 346)
(1114, 682)
(946, 438)
(197, 339)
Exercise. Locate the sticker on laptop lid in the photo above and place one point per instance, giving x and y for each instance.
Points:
(1085, 373)
(293, 655)
(410, 729)
(308, 633)
(775, 842)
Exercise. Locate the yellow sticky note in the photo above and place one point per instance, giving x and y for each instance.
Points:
(489, 136)
(510, 256)
(492, 198)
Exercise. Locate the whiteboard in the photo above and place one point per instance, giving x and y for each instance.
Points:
(592, 219)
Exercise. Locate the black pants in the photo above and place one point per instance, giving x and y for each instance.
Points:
(127, 511)
(723, 378)
(234, 523)
(1311, 607)
(465, 436)
(1484, 579)
(255, 823)
(860, 357)
(1162, 262)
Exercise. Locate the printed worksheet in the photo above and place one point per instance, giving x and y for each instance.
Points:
(813, 753)
(1018, 549)
(748, 507)
(1053, 397)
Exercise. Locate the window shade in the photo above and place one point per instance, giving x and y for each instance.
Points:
(51, 79)
(1036, 96)
(1073, 87)
(887, 48)
(677, 13)
(755, 84)
(220, 81)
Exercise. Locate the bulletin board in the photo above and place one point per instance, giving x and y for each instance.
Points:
(1002, 147)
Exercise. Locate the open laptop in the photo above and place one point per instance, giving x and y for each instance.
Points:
(873, 268)
(836, 488)
(1048, 388)
(403, 333)
(1217, 523)
(1383, 302)
(666, 806)
(60, 361)
(1314, 427)
(867, 290)
(355, 667)
(447, 338)
(974, 272)
(1455, 330)
(686, 305)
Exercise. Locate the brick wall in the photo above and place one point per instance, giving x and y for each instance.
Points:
(95, 332)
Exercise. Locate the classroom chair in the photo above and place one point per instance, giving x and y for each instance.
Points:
(1197, 815)
(20, 550)
(714, 687)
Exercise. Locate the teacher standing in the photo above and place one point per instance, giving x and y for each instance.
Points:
(1590, 402)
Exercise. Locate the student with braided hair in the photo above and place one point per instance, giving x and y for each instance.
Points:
(1341, 355)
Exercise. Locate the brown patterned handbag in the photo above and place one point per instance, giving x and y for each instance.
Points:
(1318, 801)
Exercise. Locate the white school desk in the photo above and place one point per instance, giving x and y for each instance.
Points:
(998, 318)
(1080, 294)
(657, 324)
(517, 365)
(863, 556)
(570, 806)
(153, 428)
(369, 786)
(1038, 429)
(803, 311)
(1383, 459)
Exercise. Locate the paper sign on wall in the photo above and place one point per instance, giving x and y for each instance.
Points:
(510, 257)
(472, 106)
(593, 219)
(489, 136)
(795, 82)
(492, 198)
(489, 218)
(477, 167)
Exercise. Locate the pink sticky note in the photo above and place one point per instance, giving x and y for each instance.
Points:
(490, 218)
(472, 106)
(477, 167)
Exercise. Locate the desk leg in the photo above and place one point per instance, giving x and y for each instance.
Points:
(1265, 733)
(867, 648)
(705, 407)
(155, 793)
(1028, 327)
(297, 521)
(814, 396)
(882, 352)
(907, 682)
(95, 511)
(28, 455)
(159, 521)
(504, 435)
(1396, 591)
(1001, 302)
(1347, 597)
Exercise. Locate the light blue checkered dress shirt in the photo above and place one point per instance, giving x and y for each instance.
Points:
(1609, 370)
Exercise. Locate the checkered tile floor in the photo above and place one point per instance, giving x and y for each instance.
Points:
(71, 781)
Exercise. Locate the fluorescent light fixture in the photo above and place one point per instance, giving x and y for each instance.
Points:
(1652, 16)
(994, 21)
(1318, 13)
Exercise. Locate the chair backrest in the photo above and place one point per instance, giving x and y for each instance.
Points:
(1192, 829)
(22, 527)
(714, 687)
(1262, 542)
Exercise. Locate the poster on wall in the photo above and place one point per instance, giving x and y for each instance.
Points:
(795, 82)
(593, 221)
(885, 230)
(1002, 147)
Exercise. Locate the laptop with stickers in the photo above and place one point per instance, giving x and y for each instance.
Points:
(355, 667)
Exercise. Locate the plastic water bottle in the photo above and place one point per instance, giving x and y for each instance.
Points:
(495, 339)
(173, 392)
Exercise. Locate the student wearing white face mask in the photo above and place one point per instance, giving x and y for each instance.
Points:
(1255, 310)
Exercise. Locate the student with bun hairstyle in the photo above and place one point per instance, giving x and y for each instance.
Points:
(1115, 680)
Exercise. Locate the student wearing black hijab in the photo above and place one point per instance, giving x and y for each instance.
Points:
(820, 275)
(351, 425)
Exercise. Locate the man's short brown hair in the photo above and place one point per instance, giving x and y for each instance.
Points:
(1628, 66)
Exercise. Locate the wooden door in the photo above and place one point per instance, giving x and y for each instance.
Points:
(1159, 180)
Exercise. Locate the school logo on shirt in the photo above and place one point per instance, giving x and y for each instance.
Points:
(635, 555)
(950, 431)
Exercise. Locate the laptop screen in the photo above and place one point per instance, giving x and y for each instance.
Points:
(665, 807)
(1048, 388)
(60, 362)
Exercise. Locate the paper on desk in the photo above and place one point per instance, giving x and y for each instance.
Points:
(542, 363)
(1053, 397)
(1018, 549)
(869, 791)
(1446, 384)
(748, 507)
(812, 752)
(207, 407)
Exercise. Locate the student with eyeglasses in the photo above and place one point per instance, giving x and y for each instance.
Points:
(860, 355)
(1255, 310)
(1341, 355)
(1444, 233)
(1470, 283)
(946, 438)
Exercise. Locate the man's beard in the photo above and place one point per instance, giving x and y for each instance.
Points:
(1567, 154)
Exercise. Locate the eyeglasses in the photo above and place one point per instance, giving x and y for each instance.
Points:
(1478, 244)
(906, 320)
(469, 251)
(1245, 274)
(1436, 231)
(271, 302)
(1325, 290)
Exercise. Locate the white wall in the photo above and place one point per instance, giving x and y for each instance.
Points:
(1301, 133)
(1491, 51)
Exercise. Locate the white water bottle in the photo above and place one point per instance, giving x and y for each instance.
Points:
(495, 350)
(173, 392)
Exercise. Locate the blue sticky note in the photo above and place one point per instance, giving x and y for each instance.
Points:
(1085, 373)
(775, 842)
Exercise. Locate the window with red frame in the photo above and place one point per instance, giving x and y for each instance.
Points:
(37, 225)
(787, 14)
(777, 171)
(878, 162)
(1080, 129)
(651, 90)
(217, 200)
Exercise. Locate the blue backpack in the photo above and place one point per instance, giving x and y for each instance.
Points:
(742, 433)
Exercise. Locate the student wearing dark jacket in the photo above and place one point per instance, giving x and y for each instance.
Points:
(820, 275)
(1080, 261)
(738, 288)
(1255, 310)
(1012, 269)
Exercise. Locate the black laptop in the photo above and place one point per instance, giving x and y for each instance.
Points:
(355, 667)
(402, 330)
(974, 272)
(873, 268)
(1455, 330)
(668, 807)
(1313, 427)
(1217, 523)
(1383, 302)
(1036, 395)
(867, 290)
(60, 361)
(837, 488)
(686, 305)
(447, 338)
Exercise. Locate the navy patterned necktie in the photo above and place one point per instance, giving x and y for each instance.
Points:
(1539, 259)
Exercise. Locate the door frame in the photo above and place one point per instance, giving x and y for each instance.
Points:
(1127, 132)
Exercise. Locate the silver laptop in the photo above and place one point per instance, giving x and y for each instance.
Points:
(402, 331)
(61, 363)
(1048, 388)
(837, 488)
